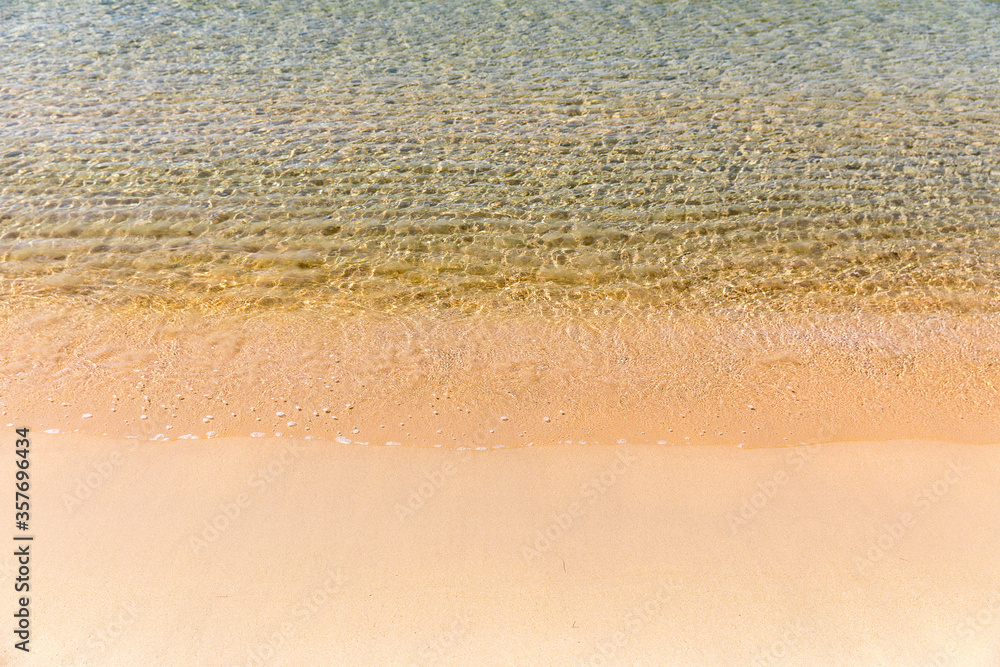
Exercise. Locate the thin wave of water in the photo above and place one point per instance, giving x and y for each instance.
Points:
(386, 155)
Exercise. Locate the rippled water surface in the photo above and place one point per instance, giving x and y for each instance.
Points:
(389, 155)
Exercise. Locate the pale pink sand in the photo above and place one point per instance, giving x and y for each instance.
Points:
(849, 553)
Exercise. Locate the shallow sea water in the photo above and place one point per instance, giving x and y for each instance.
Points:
(468, 156)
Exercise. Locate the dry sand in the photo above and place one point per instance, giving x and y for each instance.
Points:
(651, 538)
(285, 552)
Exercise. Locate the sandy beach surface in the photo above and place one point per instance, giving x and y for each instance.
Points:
(653, 377)
(287, 552)
(296, 490)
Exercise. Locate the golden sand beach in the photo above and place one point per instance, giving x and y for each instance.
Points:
(294, 490)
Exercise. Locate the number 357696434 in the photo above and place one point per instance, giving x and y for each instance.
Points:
(22, 483)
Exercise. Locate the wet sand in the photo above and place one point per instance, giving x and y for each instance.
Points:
(286, 552)
(491, 381)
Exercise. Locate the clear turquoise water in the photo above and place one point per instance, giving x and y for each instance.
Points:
(387, 155)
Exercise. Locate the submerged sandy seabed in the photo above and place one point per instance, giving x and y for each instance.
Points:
(277, 551)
